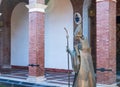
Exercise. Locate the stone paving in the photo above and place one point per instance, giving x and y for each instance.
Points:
(53, 79)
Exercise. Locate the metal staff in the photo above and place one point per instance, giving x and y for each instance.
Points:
(67, 36)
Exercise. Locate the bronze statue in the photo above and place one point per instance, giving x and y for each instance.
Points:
(82, 61)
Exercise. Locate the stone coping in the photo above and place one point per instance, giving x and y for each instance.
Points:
(104, 85)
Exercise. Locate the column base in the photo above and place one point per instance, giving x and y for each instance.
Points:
(36, 79)
(6, 66)
(104, 85)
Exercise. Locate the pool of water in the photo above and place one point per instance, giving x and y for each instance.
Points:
(11, 83)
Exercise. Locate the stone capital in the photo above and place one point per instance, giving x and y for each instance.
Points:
(36, 79)
(36, 7)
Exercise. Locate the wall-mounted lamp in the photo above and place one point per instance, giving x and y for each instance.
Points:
(1, 23)
(92, 12)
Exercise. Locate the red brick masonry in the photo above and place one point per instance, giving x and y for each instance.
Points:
(106, 41)
(36, 43)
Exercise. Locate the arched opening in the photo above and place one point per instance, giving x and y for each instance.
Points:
(19, 36)
(59, 14)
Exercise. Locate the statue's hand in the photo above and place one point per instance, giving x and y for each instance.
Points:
(67, 49)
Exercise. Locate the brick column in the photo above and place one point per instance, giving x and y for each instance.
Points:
(106, 40)
(36, 40)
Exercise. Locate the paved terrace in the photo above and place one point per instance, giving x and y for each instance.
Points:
(17, 78)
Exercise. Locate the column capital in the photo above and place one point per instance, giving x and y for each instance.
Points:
(106, 0)
(0, 14)
(36, 7)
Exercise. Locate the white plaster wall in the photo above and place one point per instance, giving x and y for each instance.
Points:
(19, 36)
(59, 14)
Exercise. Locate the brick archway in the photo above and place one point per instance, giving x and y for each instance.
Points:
(6, 9)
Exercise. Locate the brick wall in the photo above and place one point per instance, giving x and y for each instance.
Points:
(106, 41)
(77, 7)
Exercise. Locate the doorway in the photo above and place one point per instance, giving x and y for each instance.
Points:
(118, 44)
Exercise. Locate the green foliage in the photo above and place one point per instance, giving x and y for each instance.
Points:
(46, 2)
(2, 86)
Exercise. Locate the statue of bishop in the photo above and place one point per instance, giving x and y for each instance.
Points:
(82, 63)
